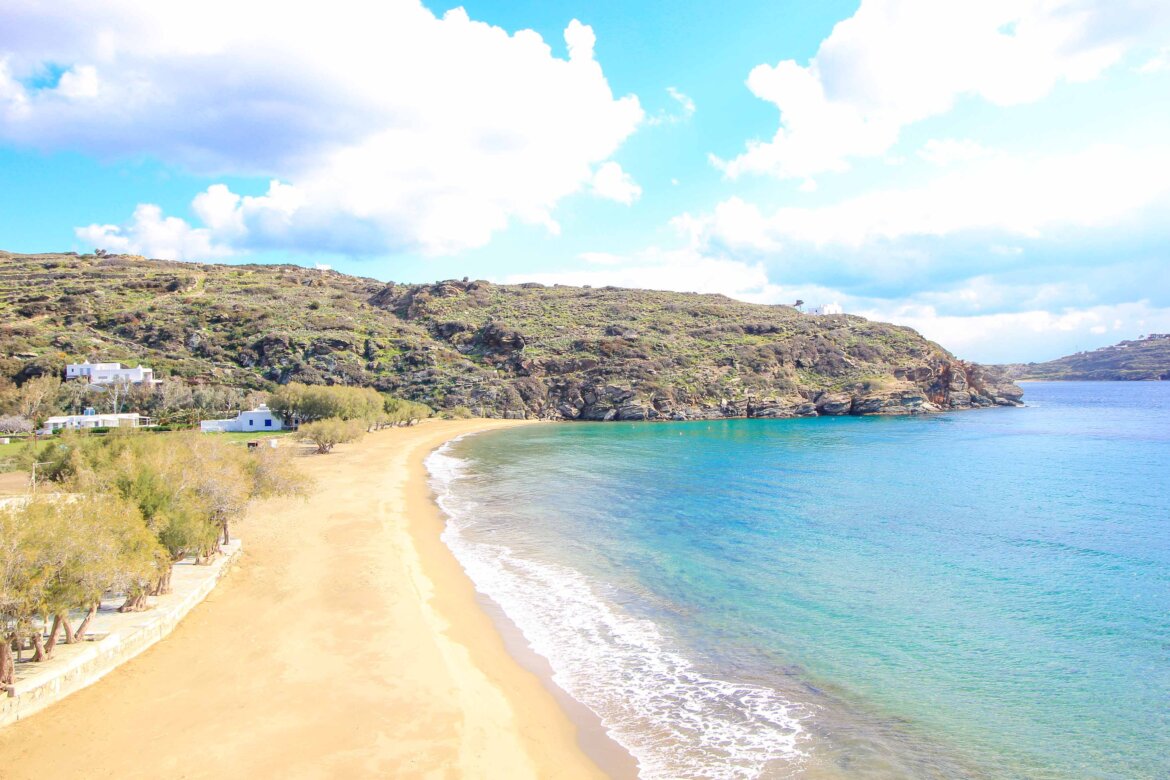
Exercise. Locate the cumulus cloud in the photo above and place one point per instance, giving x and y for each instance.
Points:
(897, 62)
(384, 126)
(1002, 200)
(948, 151)
(613, 183)
(1030, 335)
(149, 232)
(682, 270)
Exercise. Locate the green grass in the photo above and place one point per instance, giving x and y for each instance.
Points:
(235, 436)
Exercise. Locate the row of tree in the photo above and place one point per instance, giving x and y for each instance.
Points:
(127, 507)
(297, 404)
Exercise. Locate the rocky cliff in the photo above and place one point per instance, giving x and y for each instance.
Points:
(499, 350)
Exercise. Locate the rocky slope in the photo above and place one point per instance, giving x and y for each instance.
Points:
(1145, 359)
(500, 350)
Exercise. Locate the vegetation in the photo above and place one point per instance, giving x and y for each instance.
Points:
(1144, 359)
(330, 432)
(497, 350)
(128, 506)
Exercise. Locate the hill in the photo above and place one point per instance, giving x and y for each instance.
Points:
(1144, 359)
(499, 350)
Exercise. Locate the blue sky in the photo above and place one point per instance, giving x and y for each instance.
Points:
(995, 174)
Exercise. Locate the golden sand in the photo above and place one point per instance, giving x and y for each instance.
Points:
(347, 643)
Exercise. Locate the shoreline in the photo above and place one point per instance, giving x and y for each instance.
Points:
(348, 641)
(591, 735)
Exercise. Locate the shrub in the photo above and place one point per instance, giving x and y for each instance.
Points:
(330, 432)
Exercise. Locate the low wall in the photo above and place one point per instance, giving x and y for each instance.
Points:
(85, 663)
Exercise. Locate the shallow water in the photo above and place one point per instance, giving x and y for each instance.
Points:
(979, 594)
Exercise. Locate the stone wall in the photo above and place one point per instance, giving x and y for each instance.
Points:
(126, 635)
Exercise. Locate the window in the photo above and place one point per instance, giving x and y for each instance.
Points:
(251, 422)
(268, 423)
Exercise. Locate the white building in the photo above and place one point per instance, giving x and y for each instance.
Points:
(109, 373)
(260, 420)
(91, 419)
(828, 308)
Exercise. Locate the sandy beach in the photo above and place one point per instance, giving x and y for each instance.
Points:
(348, 643)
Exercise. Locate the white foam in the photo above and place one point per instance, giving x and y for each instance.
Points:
(675, 720)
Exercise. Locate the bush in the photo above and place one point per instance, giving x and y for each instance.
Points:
(458, 413)
(330, 432)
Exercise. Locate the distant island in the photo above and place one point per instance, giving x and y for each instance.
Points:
(1146, 359)
(473, 347)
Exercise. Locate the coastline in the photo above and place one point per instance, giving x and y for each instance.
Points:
(348, 641)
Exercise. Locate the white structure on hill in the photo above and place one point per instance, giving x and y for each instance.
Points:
(109, 373)
(828, 308)
(91, 419)
(260, 419)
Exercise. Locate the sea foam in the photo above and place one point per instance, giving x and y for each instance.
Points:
(675, 720)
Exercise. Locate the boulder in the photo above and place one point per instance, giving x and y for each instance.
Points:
(631, 412)
(834, 404)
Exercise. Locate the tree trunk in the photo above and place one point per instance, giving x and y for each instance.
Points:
(7, 667)
(135, 602)
(39, 653)
(70, 636)
(52, 643)
(163, 586)
(227, 538)
(79, 634)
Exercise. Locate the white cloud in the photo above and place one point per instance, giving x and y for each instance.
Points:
(1033, 335)
(388, 128)
(686, 109)
(611, 182)
(897, 62)
(948, 151)
(1029, 198)
(682, 270)
(80, 82)
(1158, 63)
(150, 233)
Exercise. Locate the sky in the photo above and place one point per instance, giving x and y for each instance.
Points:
(993, 173)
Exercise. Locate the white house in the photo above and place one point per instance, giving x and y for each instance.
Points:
(109, 373)
(91, 419)
(260, 420)
(828, 308)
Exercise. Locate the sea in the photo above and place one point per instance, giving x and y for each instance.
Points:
(979, 594)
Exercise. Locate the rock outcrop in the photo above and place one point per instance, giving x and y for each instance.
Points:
(529, 351)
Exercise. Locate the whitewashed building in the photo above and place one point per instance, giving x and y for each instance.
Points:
(91, 419)
(109, 373)
(258, 420)
(827, 308)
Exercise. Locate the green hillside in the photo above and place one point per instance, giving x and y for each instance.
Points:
(1144, 359)
(500, 350)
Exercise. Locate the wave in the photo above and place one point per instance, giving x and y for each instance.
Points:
(674, 719)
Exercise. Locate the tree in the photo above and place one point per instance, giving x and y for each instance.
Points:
(13, 423)
(116, 394)
(326, 434)
(57, 555)
(35, 399)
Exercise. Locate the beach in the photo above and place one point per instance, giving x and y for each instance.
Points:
(348, 642)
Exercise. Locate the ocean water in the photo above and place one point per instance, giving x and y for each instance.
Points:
(982, 594)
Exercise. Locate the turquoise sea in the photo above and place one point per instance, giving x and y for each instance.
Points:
(980, 594)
